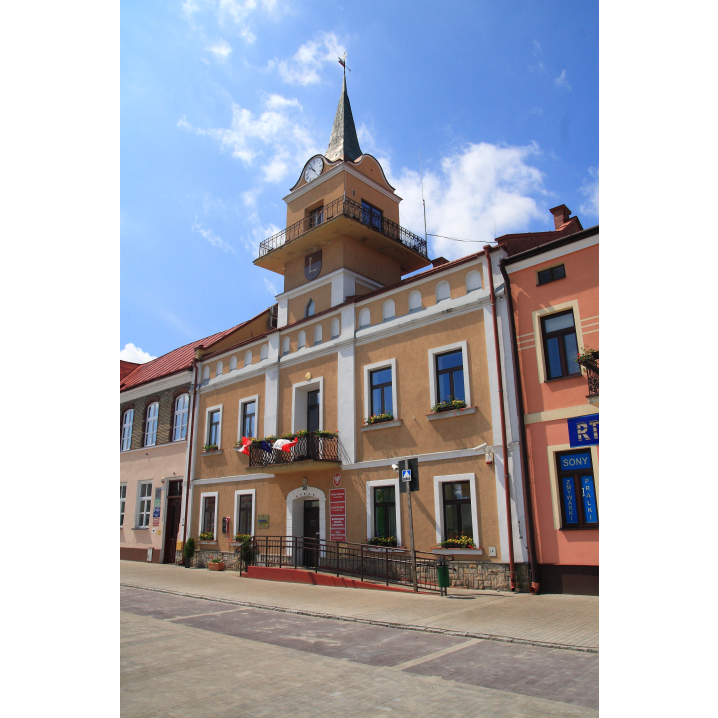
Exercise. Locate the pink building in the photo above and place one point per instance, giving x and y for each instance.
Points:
(553, 281)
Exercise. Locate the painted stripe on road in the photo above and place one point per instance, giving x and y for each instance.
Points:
(436, 654)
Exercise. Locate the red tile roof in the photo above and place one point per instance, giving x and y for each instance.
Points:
(127, 367)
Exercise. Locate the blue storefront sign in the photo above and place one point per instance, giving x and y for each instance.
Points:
(573, 462)
(583, 430)
(570, 501)
(589, 500)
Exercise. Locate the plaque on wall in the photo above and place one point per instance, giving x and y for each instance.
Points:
(263, 521)
(313, 265)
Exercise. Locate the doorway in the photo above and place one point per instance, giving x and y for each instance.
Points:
(172, 520)
(311, 532)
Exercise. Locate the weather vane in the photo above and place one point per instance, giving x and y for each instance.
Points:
(343, 63)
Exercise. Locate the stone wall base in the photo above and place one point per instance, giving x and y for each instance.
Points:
(201, 558)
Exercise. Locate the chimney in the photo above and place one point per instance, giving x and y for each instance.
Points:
(438, 262)
(560, 215)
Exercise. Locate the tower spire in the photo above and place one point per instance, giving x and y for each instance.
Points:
(344, 143)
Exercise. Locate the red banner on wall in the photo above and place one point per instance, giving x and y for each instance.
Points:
(337, 515)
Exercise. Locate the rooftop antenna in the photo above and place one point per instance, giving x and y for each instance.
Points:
(426, 237)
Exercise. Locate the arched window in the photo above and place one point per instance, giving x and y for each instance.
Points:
(443, 291)
(285, 346)
(301, 340)
(414, 301)
(248, 358)
(473, 281)
(205, 374)
(388, 311)
(126, 438)
(318, 334)
(180, 426)
(335, 328)
(151, 424)
(309, 310)
(220, 369)
(233, 363)
(263, 352)
(364, 318)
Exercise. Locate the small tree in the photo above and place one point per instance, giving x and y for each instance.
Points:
(188, 550)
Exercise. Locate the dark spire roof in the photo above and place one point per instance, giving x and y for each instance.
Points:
(344, 143)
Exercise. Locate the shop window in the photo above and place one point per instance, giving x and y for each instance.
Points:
(144, 505)
(551, 275)
(384, 511)
(450, 376)
(560, 345)
(249, 412)
(579, 509)
(457, 509)
(126, 438)
(151, 424)
(209, 505)
(180, 424)
(381, 394)
(244, 510)
(123, 498)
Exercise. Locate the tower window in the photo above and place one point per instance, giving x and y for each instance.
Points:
(309, 311)
(371, 215)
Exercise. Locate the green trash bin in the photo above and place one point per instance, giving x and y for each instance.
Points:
(442, 574)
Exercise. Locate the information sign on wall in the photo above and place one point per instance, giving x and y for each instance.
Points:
(337, 515)
(263, 521)
(583, 430)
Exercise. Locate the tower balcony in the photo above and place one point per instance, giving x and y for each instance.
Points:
(343, 217)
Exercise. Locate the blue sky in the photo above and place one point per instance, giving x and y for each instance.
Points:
(223, 101)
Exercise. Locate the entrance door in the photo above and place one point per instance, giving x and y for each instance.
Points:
(172, 521)
(311, 532)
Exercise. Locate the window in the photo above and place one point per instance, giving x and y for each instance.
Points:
(388, 311)
(371, 215)
(205, 374)
(443, 291)
(248, 357)
(263, 352)
(551, 274)
(175, 489)
(285, 346)
(384, 511)
(209, 504)
(316, 217)
(301, 340)
(244, 510)
(457, 509)
(578, 493)
(220, 369)
(450, 376)
(335, 328)
(249, 411)
(144, 506)
(213, 427)
(309, 309)
(313, 410)
(233, 363)
(560, 346)
(123, 497)
(473, 281)
(364, 318)
(318, 334)
(180, 425)
(151, 424)
(414, 301)
(381, 399)
(126, 438)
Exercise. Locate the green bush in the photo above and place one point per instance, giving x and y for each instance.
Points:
(188, 550)
(379, 541)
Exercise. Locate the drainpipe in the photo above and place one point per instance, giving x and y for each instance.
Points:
(504, 445)
(525, 483)
(189, 461)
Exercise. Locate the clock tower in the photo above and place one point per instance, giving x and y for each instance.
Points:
(342, 236)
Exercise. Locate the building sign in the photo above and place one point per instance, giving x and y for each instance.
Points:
(263, 521)
(571, 462)
(156, 514)
(337, 515)
(337, 479)
(312, 265)
(589, 503)
(583, 430)
(569, 501)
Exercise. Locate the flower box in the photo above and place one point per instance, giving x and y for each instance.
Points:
(381, 425)
(215, 566)
(214, 452)
(207, 542)
(446, 414)
(378, 419)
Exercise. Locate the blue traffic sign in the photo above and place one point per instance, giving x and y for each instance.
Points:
(406, 475)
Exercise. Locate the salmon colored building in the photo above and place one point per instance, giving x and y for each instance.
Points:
(553, 279)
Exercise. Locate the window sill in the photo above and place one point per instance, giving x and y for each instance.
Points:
(433, 416)
(208, 543)
(140, 528)
(579, 528)
(382, 425)
(458, 551)
(211, 453)
(384, 549)
(562, 378)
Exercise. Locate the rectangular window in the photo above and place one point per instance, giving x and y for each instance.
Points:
(457, 510)
(126, 440)
(151, 424)
(371, 215)
(316, 217)
(313, 410)
(123, 497)
(384, 511)
(380, 397)
(578, 493)
(551, 274)
(248, 416)
(245, 514)
(175, 489)
(450, 376)
(213, 432)
(144, 506)
(208, 513)
(560, 345)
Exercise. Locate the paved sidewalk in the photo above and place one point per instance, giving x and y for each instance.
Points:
(552, 620)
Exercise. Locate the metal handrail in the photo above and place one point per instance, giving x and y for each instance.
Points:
(592, 374)
(347, 208)
(310, 447)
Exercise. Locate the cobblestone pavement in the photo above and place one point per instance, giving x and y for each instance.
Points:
(558, 620)
(183, 657)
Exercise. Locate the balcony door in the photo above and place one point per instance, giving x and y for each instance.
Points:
(313, 410)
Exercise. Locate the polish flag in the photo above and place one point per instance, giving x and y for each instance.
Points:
(284, 444)
(245, 445)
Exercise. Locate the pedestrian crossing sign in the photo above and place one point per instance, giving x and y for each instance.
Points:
(406, 475)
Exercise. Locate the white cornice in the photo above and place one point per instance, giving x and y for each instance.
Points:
(153, 387)
(230, 479)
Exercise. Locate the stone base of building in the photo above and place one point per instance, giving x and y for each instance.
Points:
(201, 558)
(485, 575)
(576, 580)
(138, 554)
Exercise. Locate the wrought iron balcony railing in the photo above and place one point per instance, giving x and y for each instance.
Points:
(592, 376)
(347, 208)
(308, 448)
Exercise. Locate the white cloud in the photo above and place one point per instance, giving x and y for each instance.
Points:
(258, 234)
(135, 354)
(221, 50)
(473, 188)
(271, 288)
(214, 239)
(250, 197)
(561, 81)
(233, 13)
(589, 189)
(304, 67)
(537, 53)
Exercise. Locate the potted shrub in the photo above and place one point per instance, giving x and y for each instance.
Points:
(450, 404)
(188, 552)
(588, 358)
(245, 548)
(379, 418)
(216, 563)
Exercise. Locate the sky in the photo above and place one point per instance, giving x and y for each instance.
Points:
(222, 102)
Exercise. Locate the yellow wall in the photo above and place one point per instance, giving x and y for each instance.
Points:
(322, 297)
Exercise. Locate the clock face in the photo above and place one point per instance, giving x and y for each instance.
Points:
(314, 169)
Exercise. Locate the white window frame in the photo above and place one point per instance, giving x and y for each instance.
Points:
(205, 374)
(208, 411)
(248, 355)
(242, 402)
(299, 402)
(220, 369)
(388, 305)
(432, 370)
(362, 312)
(263, 352)
(335, 323)
(237, 494)
(436, 291)
(317, 330)
(368, 368)
(439, 504)
(286, 346)
(415, 292)
(125, 424)
(370, 485)
(301, 340)
(176, 414)
(140, 499)
(123, 504)
(473, 272)
(200, 527)
(233, 363)
(147, 423)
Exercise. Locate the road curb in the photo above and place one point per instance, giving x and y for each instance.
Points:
(385, 624)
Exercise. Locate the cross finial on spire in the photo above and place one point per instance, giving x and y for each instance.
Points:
(343, 62)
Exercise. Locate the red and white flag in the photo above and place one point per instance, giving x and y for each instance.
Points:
(245, 445)
(284, 444)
